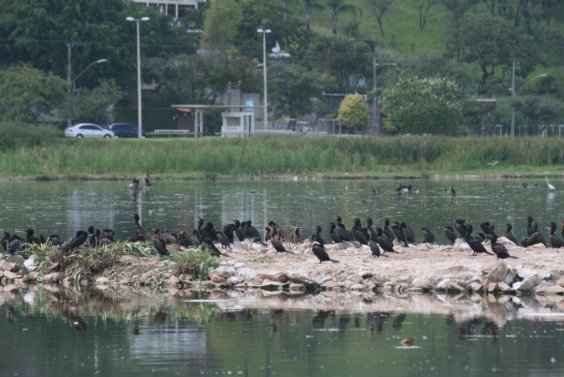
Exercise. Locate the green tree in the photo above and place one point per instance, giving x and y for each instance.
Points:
(493, 43)
(29, 94)
(338, 7)
(309, 6)
(541, 111)
(418, 106)
(291, 33)
(294, 89)
(457, 10)
(346, 59)
(424, 6)
(353, 112)
(221, 21)
(379, 8)
(96, 105)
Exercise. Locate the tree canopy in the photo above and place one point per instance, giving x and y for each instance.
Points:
(29, 93)
(419, 106)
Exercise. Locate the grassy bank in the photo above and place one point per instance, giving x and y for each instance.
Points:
(276, 155)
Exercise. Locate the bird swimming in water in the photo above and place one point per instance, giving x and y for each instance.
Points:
(499, 250)
(452, 191)
(320, 252)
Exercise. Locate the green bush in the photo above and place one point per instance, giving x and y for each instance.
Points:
(353, 112)
(15, 135)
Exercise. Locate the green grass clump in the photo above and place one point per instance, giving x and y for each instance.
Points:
(195, 262)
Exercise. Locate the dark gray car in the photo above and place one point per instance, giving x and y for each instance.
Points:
(125, 130)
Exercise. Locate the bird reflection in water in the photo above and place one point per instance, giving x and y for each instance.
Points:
(398, 321)
(318, 321)
(376, 320)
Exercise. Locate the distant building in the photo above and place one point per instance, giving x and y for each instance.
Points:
(174, 8)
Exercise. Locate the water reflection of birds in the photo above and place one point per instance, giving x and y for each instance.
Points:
(398, 321)
(376, 320)
(160, 318)
(11, 314)
(318, 322)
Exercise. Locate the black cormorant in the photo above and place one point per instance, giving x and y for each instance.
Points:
(449, 234)
(320, 252)
(136, 218)
(474, 244)
(498, 248)
(531, 226)
(509, 235)
(334, 234)
(75, 242)
(428, 235)
(554, 240)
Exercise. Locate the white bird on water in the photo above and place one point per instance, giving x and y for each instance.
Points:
(550, 187)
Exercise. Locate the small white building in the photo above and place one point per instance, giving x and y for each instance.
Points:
(174, 8)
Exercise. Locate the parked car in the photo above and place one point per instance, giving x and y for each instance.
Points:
(126, 130)
(87, 130)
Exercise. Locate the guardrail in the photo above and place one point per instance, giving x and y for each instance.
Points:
(184, 133)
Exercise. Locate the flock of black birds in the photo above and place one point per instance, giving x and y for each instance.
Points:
(379, 240)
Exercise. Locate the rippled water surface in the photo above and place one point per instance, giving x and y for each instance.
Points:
(50, 332)
(53, 334)
(65, 207)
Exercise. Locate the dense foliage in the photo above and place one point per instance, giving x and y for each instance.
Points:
(421, 106)
(319, 46)
(353, 112)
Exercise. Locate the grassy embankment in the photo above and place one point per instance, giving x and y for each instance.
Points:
(212, 158)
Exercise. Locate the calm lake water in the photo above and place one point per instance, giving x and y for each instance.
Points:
(65, 207)
(60, 334)
(67, 334)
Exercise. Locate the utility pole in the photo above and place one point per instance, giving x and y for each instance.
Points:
(513, 98)
(69, 84)
(374, 88)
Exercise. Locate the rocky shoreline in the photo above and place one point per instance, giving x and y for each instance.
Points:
(424, 268)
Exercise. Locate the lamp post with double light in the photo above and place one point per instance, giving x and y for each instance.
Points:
(139, 106)
(72, 88)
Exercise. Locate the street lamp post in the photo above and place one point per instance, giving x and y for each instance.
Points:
(139, 106)
(264, 32)
(513, 93)
(73, 86)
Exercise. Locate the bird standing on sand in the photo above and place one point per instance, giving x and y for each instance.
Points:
(278, 245)
(498, 248)
(509, 235)
(449, 234)
(320, 252)
(428, 236)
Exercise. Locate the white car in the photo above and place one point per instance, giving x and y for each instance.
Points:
(88, 130)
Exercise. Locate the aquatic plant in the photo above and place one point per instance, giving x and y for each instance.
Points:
(195, 262)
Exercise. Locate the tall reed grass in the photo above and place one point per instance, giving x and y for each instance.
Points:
(266, 155)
